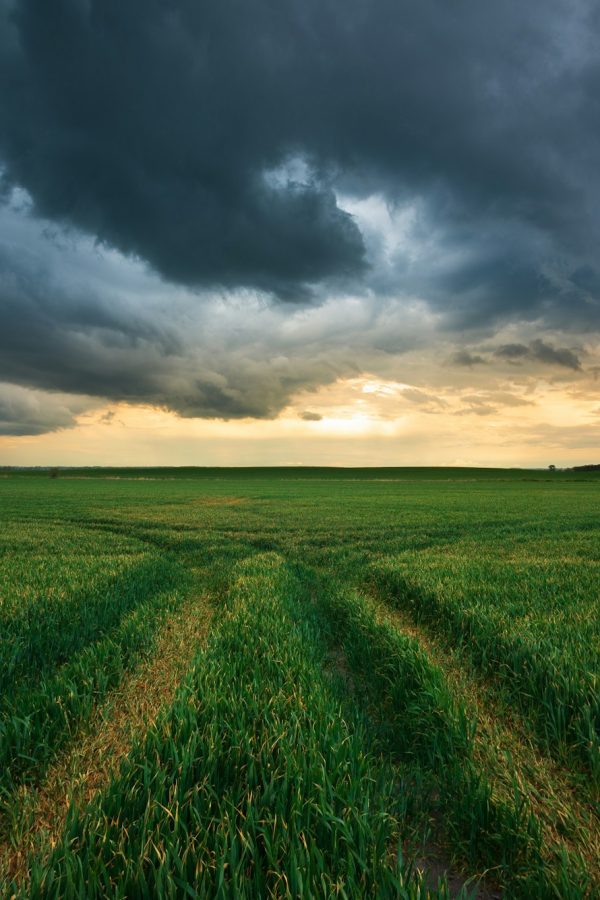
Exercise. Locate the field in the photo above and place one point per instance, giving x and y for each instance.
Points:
(300, 683)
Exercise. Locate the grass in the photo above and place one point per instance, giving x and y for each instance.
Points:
(326, 740)
(37, 816)
(410, 696)
(510, 617)
(267, 788)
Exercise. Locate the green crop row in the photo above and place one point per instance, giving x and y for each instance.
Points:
(257, 783)
(38, 720)
(404, 690)
(62, 587)
(527, 633)
(37, 638)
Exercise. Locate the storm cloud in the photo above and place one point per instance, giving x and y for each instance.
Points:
(165, 130)
(542, 352)
(76, 319)
(24, 411)
(464, 358)
(191, 176)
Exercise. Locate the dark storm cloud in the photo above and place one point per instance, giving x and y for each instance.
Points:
(540, 351)
(79, 320)
(558, 356)
(58, 335)
(62, 338)
(464, 358)
(30, 412)
(513, 352)
(228, 148)
(153, 126)
(164, 129)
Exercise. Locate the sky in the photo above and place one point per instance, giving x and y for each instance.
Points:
(286, 232)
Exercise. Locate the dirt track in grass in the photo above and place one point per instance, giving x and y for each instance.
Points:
(507, 752)
(88, 766)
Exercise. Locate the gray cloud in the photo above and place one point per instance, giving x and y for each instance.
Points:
(541, 352)
(169, 131)
(558, 356)
(78, 319)
(513, 352)
(465, 358)
(67, 325)
(24, 411)
(154, 127)
(309, 416)
(406, 173)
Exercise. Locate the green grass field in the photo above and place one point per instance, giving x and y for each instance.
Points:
(300, 683)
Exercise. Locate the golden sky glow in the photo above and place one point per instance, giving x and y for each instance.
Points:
(357, 421)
